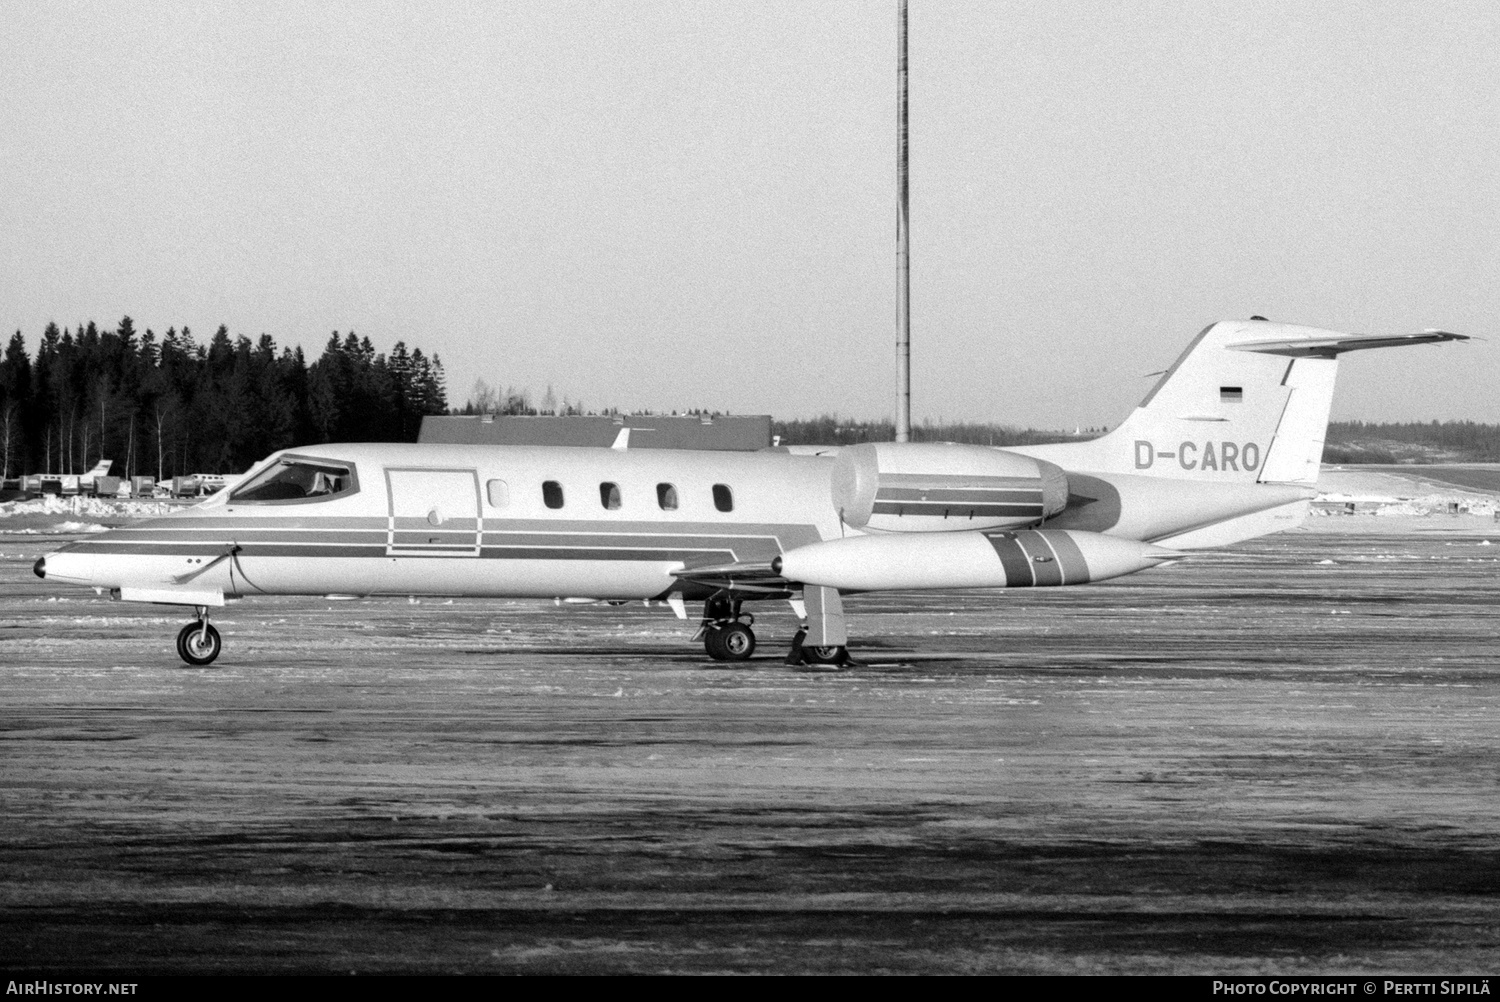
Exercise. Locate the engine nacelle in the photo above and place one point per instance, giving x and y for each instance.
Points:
(930, 487)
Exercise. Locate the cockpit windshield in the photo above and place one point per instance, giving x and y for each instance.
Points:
(294, 478)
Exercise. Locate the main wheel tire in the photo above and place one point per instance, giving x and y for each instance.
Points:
(825, 655)
(193, 648)
(713, 642)
(737, 641)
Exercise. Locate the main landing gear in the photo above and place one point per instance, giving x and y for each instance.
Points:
(199, 643)
(726, 630)
(824, 642)
(822, 654)
(821, 643)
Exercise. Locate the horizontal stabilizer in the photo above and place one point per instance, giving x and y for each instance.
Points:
(1336, 344)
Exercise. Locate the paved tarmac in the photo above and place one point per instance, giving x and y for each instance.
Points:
(1277, 759)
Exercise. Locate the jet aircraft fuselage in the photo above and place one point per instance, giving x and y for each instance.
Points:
(1224, 448)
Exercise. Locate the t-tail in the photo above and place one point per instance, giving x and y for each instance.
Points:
(1245, 405)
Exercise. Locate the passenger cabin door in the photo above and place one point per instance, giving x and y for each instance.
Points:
(434, 513)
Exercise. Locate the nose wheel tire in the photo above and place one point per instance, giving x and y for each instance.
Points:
(198, 646)
(731, 642)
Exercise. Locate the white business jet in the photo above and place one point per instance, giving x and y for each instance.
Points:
(1226, 447)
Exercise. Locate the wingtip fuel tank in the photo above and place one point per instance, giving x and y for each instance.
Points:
(1022, 559)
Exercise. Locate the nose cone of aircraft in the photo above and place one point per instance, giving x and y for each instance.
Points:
(65, 565)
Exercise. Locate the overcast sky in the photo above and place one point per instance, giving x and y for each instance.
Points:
(674, 205)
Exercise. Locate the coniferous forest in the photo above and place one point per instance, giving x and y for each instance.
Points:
(170, 405)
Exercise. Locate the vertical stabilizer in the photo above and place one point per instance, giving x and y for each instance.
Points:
(1247, 402)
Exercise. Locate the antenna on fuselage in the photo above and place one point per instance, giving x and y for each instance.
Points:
(903, 244)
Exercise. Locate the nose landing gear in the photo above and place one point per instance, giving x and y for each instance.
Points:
(199, 643)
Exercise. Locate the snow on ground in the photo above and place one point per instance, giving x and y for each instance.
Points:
(57, 529)
(1371, 484)
(1429, 504)
(1389, 502)
(108, 508)
(51, 515)
(1387, 498)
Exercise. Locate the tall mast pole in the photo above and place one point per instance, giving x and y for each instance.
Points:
(903, 246)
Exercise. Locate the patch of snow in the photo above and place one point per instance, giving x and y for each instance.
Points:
(51, 504)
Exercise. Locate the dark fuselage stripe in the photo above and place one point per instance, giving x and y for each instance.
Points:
(504, 539)
(584, 553)
(380, 536)
(967, 495)
(665, 554)
(492, 523)
(162, 548)
(1045, 569)
(1013, 559)
(250, 535)
(952, 509)
(1075, 569)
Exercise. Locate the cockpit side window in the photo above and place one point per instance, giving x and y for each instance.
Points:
(297, 480)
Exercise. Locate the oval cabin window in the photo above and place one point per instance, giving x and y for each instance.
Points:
(609, 496)
(666, 497)
(552, 494)
(499, 493)
(723, 497)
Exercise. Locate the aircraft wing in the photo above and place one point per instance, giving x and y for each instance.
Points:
(1329, 347)
(740, 576)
